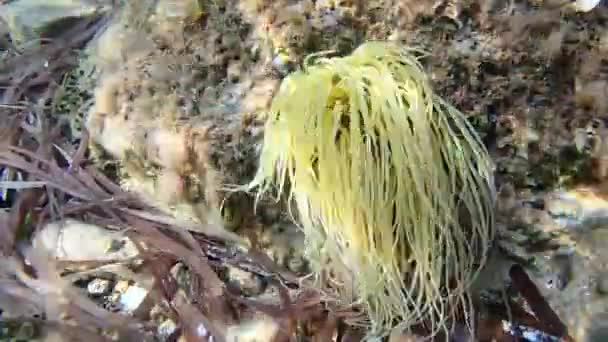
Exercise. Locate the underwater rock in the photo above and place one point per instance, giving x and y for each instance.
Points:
(166, 330)
(249, 283)
(77, 241)
(129, 298)
(132, 298)
(561, 242)
(99, 287)
(30, 19)
(176, 115)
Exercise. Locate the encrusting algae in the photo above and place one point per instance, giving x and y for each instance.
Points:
(394, 189)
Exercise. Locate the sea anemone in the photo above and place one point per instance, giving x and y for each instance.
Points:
(393, 187)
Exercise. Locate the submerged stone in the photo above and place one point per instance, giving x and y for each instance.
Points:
(29, 20)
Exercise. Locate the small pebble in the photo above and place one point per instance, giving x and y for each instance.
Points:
(121, 286)
(99, 287)
(132, 298)
(249, 283)
(166, 330)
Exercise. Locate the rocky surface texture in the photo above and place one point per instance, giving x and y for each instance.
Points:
(170, 92)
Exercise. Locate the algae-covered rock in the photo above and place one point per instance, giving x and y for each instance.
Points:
(32, 19)
(173, 105)
(560, 237)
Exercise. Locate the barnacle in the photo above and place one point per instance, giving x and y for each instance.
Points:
(393, 186)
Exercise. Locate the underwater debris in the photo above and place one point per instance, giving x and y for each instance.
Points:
(528, 334)
(544, 313)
